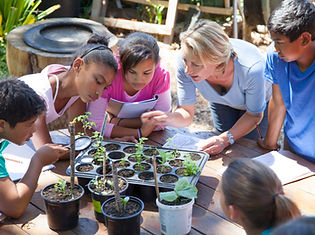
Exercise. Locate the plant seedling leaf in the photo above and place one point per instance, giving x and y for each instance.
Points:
(190, 191)
(168, 196)
(181, 184)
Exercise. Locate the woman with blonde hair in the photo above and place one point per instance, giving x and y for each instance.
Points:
(229, 74)
(252, 195)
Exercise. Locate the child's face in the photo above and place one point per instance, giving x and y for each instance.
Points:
(140, 75)
(22, 131)
(93, 79)
(287, 51)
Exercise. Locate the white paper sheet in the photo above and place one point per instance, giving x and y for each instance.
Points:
(185, 142)
(287, 169)
(131, 109)
(17, 159)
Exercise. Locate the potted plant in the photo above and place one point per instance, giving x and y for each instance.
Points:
(62, 199)
(122, 214)
(175, 208)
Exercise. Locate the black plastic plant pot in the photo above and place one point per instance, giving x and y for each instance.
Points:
(62, 215)
(126, 224)
(82, 181)
(99, 198)
(145, 193)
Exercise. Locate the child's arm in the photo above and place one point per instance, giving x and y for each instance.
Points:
(276, 115)
(15, 197)
(41, 135)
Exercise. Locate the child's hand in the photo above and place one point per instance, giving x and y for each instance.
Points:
(154, 117)
(127, 139)
(50, 153)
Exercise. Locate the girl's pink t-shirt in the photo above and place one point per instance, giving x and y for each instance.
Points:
(159, 85)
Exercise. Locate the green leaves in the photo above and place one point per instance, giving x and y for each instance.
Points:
(182, 189)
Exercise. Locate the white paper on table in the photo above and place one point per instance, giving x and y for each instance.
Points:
(185, 142)
(20, 159)
(287, 169)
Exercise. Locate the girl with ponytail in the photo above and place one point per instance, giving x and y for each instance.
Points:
(252, 195)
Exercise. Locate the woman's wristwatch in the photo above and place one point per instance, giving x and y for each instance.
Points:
(231, 138)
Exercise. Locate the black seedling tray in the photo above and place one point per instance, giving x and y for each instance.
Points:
(120, 151)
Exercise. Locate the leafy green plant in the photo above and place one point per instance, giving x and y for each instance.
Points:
(183, 191)
(98, 155)
(139, 152)
(86, 124)
(190, 167)
(166, 156)
(14, 13)
(153, 13)
(101, 183)
(124, 202)
(60, 186)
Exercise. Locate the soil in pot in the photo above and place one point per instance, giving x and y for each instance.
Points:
(151, 152)
(193, 156)
(101, 190)
(163, 169)
(130, 149)
(168, 178)
(112, 147)
(116, 155)
(142, 166)
(181, 171)
(62, 209)
(176, 163)
(174, 153)
(99, 170)
(122, 164)
(146, 175)
(133, 158)
(126, 173)
(126, 223)
(84, 167)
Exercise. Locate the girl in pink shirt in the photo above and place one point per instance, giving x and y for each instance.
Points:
(139, 77)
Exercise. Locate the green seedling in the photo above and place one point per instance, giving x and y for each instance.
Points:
(86, 124)
(98, 155)
(139, 152)
(166, 156)
(60, 186)
(101, 183)
(183, 191)
(124, 202)
(190, 167)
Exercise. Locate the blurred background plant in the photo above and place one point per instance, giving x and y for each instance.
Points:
(14, 13)
(152, 13)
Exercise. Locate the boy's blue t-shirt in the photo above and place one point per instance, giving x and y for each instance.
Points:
(3, 169)
(298, 92)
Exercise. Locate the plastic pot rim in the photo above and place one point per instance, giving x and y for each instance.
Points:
(61, 202)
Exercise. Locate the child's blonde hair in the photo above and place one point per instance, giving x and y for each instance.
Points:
(256, 190)
(208, 41)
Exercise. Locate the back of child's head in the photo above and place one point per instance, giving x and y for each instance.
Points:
(96, 50)
(302, 225)
(293, 17)
(257, 192)
(137, 47)
(19, 102)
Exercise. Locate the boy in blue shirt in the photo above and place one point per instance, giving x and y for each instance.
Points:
(290, 66)
(19, 108)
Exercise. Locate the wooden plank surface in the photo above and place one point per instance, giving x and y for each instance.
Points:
(208, 217)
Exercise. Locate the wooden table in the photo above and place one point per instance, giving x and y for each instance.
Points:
(208, 217)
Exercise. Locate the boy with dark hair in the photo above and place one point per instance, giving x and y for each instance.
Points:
(19, 108)
(290, 66)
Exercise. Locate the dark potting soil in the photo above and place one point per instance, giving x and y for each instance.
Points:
(146, 175)
(99, 170)
(174, 153)
(151, 152)
(181, 171)
(193, 156)
(126, 173)
(133, 158)
(130, 149)
(121, 164)
(112, 147)
(84, 167)
(53, 194)
(107, 187)
(176, 163)
(163, 169)
(131, 208)
(177, 202)
(168, 178)
(141, 167)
